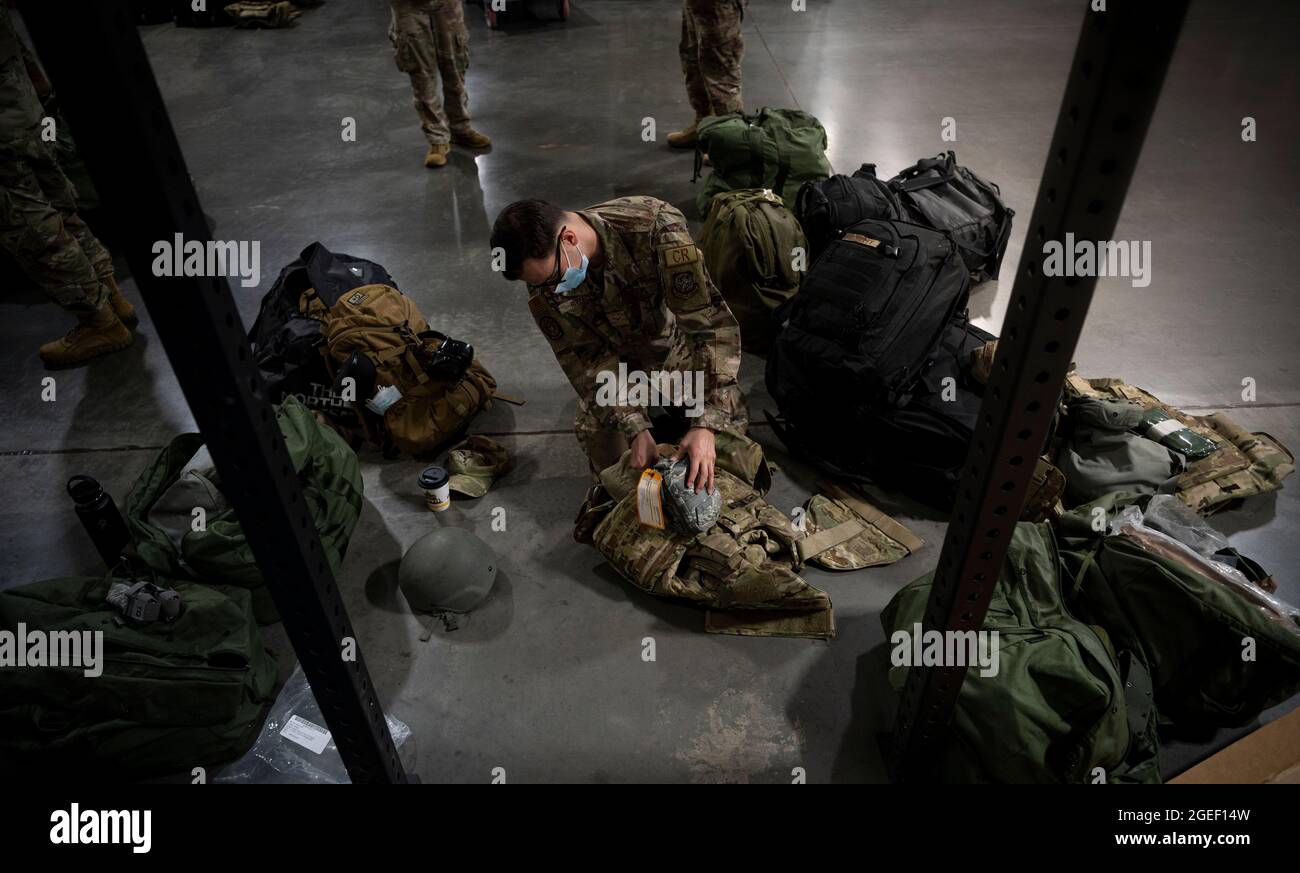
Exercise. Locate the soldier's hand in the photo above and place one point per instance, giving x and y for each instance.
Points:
(698, 446)
(644, 451)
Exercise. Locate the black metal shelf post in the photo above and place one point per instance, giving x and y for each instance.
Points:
(1119, 66)
(98, 65)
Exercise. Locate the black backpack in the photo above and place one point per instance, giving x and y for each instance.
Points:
(939, 193)
(867, 316)
(827, 207)
(918, 447)
(287, 344)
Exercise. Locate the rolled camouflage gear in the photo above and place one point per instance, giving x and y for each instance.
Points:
(475, 464)
(144, 602)
(263, 13)
(981, 361)
(689, 511)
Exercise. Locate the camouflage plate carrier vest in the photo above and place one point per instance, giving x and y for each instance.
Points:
(1244, 463)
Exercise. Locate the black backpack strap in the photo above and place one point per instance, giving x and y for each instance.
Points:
(912, 179)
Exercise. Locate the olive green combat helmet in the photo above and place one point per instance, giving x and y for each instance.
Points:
(447, 570)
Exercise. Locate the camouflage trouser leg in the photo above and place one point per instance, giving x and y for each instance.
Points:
(430, 41)
(44, 239)
(605, 445)
(602, 445)
(712, 47)
(62, 194)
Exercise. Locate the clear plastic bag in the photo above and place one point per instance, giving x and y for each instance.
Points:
(1169, 515)
(1168, 524)
(296, 747)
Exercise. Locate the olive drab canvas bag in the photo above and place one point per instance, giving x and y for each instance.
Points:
(754, 250)
(1063, 704)
(777, 149)
(172, 695)
(1188, 626)
(940, 193)
(167, 539)
(441, 385)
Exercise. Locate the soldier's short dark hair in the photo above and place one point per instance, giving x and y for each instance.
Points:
(526, 229)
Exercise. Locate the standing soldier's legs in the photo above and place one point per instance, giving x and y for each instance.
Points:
(721, 48)
(689, 49)
(62, 196)
(35, 234)
(416, 54)
(453, 62)
(690, 53)
(711, 49)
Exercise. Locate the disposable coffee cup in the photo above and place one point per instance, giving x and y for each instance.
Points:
(436, 486)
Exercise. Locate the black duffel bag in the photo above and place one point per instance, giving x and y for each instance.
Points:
(940, 193)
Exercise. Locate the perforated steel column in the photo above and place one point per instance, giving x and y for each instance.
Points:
(98, 65)
(1119, 67)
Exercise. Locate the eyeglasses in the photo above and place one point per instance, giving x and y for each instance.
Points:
(557, 274)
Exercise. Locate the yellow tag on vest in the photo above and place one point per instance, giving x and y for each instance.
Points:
(649, 500)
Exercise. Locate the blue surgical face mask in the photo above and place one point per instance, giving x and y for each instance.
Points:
(573, 276)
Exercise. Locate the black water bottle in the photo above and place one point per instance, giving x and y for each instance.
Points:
(101, 518)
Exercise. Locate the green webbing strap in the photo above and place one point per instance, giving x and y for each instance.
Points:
(813, 545)
(754, 135)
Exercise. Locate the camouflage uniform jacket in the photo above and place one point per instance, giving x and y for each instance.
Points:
(650, 304)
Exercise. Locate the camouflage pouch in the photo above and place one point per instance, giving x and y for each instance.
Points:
(1249, 464)
(844, 532)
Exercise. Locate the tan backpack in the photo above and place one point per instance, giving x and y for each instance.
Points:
(385, 325)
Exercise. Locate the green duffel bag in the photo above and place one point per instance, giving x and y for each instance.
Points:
(1189, 628)
(750, 242)
(778, 149)
(171, 695)
(1063, 706)
(159, 515)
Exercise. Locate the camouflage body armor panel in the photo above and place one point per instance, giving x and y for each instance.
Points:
(744, 568)
(1243, 463)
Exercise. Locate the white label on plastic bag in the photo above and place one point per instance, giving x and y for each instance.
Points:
(304, 733)
(1166, 427)
(649, 505)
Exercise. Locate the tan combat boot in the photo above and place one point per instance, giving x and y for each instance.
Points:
(122, 307)
(437, 156)
(95, 334)
(471, 139)
(684, 139)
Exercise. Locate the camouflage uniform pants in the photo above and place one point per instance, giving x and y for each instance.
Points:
(604, 444)
(430, 40)
(39, 225)
(711, 48)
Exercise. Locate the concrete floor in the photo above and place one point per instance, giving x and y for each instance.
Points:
(547, 679)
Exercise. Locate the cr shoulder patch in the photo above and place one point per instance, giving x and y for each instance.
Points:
(684, 284)
(680, 256)
(551, 328)
(357, 299)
